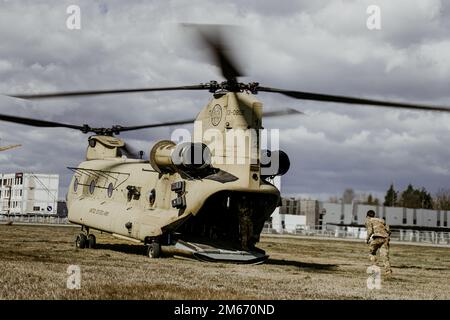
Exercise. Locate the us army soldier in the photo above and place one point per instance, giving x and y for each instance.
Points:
(378, 236)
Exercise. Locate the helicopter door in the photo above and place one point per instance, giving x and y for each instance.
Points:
(162, 189)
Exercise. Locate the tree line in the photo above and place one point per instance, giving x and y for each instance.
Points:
(417, 198)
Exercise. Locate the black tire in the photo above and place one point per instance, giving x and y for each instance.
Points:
(91, 241)
(81, 241)
(154, 250)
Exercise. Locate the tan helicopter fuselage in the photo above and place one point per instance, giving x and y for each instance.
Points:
(133, 198)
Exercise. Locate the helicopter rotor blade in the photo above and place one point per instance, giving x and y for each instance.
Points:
(4, 148)
(101, 92)
(115, 129)
(281, 113)
(188, 121)
(130, 151)
(38, 123)
(351, 100)
(213, 37)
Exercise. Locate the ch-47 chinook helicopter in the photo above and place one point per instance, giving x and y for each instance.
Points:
(177, 201)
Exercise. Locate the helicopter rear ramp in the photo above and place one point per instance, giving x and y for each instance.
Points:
(214, 254)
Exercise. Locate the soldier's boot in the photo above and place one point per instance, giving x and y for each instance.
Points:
(387, 269)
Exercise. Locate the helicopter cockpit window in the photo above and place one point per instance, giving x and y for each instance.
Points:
(75, 185)
(152, 197)
(92, 187)
(92, 143)
(110, 190)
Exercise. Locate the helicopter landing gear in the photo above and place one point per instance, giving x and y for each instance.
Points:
(81, 241)
(154, 250)
(85, 239)
(91, 241)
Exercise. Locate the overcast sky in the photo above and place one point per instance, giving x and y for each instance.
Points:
(319, 46)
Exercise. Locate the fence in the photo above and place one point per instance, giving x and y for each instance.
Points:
(400, 235)
(38, 219)
(432, 237)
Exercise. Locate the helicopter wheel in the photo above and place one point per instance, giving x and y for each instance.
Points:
(154, 250)
(81, 241)
(91, 241)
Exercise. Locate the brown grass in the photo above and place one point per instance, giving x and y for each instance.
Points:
(34, 260)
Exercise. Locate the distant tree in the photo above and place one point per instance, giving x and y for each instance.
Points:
(348, 196)
(416, 199)
(371, 201)
(410, 198)
(442, 199)
(426, 199)
(390, 199)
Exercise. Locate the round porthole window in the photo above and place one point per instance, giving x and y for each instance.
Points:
(92, 143)
(110, 190)
(92, 187)
(75, 185)
(152, 197)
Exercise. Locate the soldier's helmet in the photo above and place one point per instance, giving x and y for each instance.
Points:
(371, 213)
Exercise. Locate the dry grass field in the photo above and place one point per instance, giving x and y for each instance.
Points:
(34, 261)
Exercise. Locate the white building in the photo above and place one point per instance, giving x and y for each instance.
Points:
(337, 213)
(28, 193)
(291, 215)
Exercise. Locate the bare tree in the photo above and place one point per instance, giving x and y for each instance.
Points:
(442, 199)
(348, 196)
(333, 199)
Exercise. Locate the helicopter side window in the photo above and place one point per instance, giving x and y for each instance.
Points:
(92, 187)
(110, 190)
(152, 197)
(75, 185)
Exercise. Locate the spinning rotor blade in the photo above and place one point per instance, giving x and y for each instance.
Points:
(130, 151)
(99, 92)
(212, 35)
(282, 113)
(351, 100)
(4, 148)
(187, 121)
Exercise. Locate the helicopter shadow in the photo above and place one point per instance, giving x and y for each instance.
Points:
(140, 250)
(122, 248)
(302, 265)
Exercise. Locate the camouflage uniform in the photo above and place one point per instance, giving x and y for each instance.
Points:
(378, 236)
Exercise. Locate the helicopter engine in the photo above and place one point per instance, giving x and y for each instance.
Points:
(168, 157)
(274, 163)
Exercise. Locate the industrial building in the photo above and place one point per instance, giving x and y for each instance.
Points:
(295, 213)
(298, 214)
(345, 214)
(28, 193)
